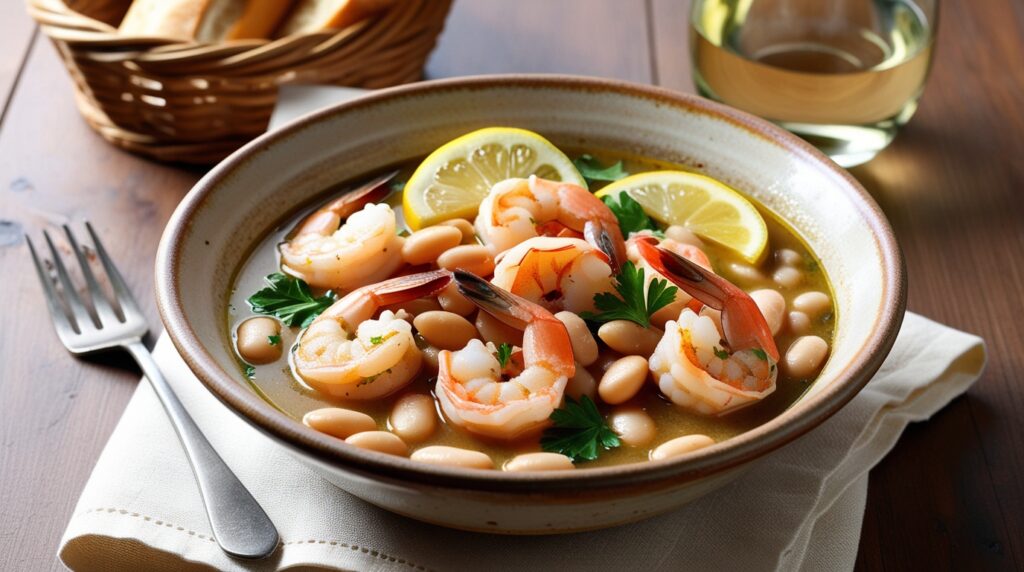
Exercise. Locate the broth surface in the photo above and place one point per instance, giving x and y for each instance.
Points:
(274, 382)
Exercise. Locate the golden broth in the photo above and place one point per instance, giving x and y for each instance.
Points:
(275, 383)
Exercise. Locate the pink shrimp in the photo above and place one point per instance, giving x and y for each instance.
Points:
(519, 209)
(470, 384)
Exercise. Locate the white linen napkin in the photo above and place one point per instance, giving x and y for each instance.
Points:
(799, 509)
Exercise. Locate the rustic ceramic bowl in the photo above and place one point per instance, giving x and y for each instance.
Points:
(228, 211)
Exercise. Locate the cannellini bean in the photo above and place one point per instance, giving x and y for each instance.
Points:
(424, 246)
(604, 361)
(475, 258)
(680, 446)
(812, 303)
(446, 330)
(629, 338)
(338, 422)
(453, 457)
(497, 332)
(539, 462)
(417, 306)
(798, 322)
(683, 235)
(465, 227)
(788, 257)
(413, 418)
(453, 301)
(633, 425)
(666, 313)
(581, 383)
(745, 272)
(787, 277)
(622, 380)
(430, 357)
(584, 347)
(254, 337)
(805, 357)
(380, 441)
(772, 306)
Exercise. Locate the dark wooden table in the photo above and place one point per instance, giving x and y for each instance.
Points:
(949, 496)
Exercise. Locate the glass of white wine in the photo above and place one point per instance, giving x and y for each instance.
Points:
(843, 74)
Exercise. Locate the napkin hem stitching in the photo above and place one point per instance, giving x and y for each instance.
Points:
(354, 547)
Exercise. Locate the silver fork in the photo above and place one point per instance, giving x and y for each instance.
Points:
(239, 524)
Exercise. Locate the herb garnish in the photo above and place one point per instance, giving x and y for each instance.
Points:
(721, 354)
(290, 300)
(273, 340)
(376, 340)
(759, 354)
(592, 169)
(579, 431)
(631, 215)
(633, 304)
(250, 371)
(503, 355)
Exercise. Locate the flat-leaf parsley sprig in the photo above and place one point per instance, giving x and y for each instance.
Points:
(290, 300)
(592, 169)
(630, 214)
(632, 303)
(579, 431)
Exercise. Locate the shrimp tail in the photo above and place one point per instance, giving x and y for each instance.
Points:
(503, 305)
(327, 219)
(608, 239)
(410, 287)
(743, 323)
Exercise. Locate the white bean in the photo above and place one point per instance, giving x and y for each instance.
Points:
(668, 312)
(805, 357)
(259, 340)
(772, 306)
(745, 272)
(798, 323)
(629, 338)
(446, 330)
(465, 227)
(622, 380)
(417, 306)
(787, 277)
(788, 257)
(633, 425)
(413, 417)
(812, 303)
(453, 301)
(681, 446)
(539, 462)
(338, 422)
(475, 258)
(581, 383)
(380, 441)
(452, 457)
(497, 332)
(584, 347)
(426, 245)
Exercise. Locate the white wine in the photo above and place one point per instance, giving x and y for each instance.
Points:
(845, 75)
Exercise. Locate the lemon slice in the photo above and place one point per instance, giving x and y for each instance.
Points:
(451, 181)
(709, 208)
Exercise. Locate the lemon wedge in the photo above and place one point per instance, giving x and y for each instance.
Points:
(709, 208)
(453, 180)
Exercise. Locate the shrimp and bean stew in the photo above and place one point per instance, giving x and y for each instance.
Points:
(501, 306)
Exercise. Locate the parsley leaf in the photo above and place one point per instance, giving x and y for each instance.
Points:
(631, 303)
(250, 371)
(376, 340)
(721, 354)
(760, 354)
(631, 215)
(290, 300)
(579, 431)
(273, 340)
(592, 169)
(504, 353)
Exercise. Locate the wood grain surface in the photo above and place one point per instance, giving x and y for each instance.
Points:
(949, 496)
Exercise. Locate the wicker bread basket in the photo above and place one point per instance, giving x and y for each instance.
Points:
(196, 103)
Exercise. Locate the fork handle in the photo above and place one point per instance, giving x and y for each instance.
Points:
(239, 523)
